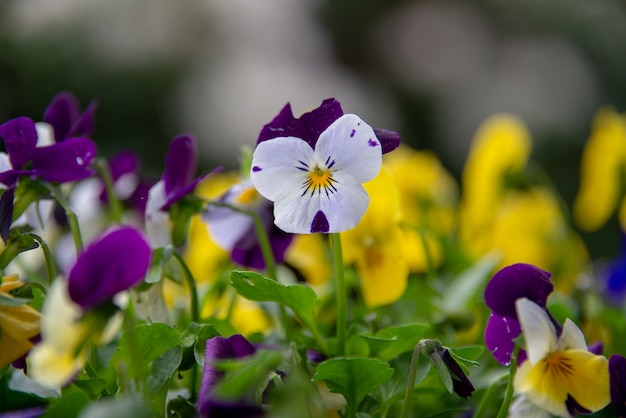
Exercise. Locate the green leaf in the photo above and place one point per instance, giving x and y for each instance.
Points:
(464, 287)
(164, 367)
(301, 299)
(67, 406)
(6, 300)
(393, 341)
(354, 378)
(92, 387)
(140, 346)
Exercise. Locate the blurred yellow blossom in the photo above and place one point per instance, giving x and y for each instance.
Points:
(18, 324)
(308, 254)
(602, 172)
(375, 244)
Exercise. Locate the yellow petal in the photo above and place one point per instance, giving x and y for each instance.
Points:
(580, 374)
(12, 349)
(53, 368)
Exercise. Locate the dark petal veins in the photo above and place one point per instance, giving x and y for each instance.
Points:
(617, 376)
(320, 223)
(308, 127)
(180, 164)
(113, 263)
(20, 140)
(65, 161)
(389, 140)
(515, 282)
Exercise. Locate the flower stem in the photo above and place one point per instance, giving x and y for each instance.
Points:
(114, 203)
(50, 267)
(406, 406)
(341, 292)
(71, 218)
(508, 395)
(191, 283)
(486, 399)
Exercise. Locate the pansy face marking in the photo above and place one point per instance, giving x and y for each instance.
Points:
(317, 188)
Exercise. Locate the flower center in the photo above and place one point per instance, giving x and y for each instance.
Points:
(558, 364)
(318, 179)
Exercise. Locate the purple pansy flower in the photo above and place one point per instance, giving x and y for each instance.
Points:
(60, 162)
(65, 116)
(115, 262)
(177, 182)
(33, 412)
(235, 232)
(312, 168)
(617, 376)
(505, 287)
(221, 348)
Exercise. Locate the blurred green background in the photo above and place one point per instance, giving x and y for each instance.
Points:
(432, 70)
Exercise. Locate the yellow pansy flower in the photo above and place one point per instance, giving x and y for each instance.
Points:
(601, 172)
(18, 324)
(375, 244)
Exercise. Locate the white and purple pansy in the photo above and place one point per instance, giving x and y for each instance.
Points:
(503, 290)
(313, 167)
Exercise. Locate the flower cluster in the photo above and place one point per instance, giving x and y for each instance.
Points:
(337, 273)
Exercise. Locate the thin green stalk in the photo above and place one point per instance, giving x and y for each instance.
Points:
(406, 406)
(341, 292)
(508, 395)
(486, 399)
(50, 266)
(71, 218)
(115, 205)
(191, 282)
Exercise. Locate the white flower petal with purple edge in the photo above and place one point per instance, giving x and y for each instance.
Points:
(319, 190)
(539, 332)
(158, 224)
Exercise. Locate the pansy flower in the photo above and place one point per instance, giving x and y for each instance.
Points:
(560, 375)
(503, 290)
(66, 118)
(312, 168)
(60, 162)
(177, 182)
(222, 348)
(79, 310)
(617, 374)
(19, 323)
(235, 232)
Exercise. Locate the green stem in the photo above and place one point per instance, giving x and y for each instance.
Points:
(71, 218)
(193, 291)
(406, 406)
(50, 266)
(115, 205)
(508, 396)
(341, 292)
(486, 399)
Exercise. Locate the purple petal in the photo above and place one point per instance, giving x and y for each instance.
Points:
(6, 212)
(115, 262)
(308, 127)
(389, 140)
(20, 140)
(61, 113)
(123, 163)
(617, 376)
(180, 164)
(178, 194)
(500, 335)
(65, 161)
(214, 408)
(461, 384)
(84, 125)
(219, 348)
(34, 412)
(320, 223)
(515, 282)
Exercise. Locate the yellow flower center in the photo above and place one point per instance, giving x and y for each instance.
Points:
(319, 178)
(558, 365)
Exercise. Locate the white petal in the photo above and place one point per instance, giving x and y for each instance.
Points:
(60, 326)
(158, 227)
(523, 408)
(343, 207)
(5, 163)
(353, 146)
(571, 338)
(225, 226)
(45, 134)
(539, 333)
(276, 161)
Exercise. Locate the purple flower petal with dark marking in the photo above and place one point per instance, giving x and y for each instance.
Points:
(66, 119)
(65, 161)
(500, 335)
(219, 348)
(20, 140)
(320, 223)
(617, 376)
(113, 263)
(515, 282)
(310, 125)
